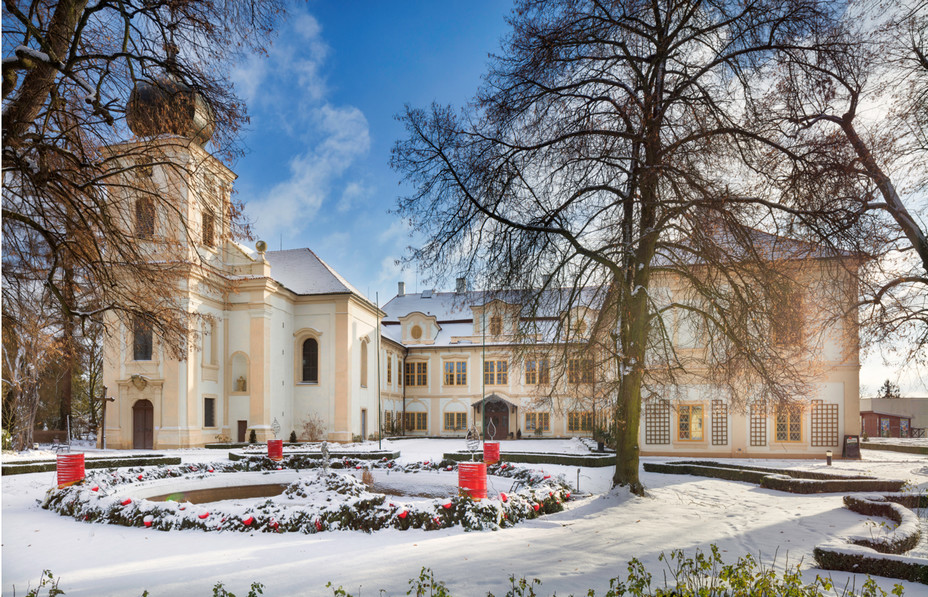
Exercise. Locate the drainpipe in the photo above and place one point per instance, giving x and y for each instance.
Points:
(403, 373)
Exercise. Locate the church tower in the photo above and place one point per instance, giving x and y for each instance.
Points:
(175, 200)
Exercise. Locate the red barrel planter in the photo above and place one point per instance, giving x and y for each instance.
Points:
(70, 468)
(275, 449)
(472, 479)
(491, 452)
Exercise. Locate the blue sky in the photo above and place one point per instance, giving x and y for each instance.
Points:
(322, 107)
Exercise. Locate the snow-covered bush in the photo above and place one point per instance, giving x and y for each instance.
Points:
(323, 501)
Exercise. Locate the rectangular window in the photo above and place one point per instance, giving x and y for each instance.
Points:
(789, 423)
(417, 374)
(824, 424)
(209, 412)
(389, 368)
(416, 421)
(455, 421)
(657, 422)
(496, 373)
(388, 421)
(537, 422)
(788, 320)
(580, 421)
(719, 423)
(758, 427)
(142, 341)
(580, 371)
(209, 228)
(690, 422)
(455, 373)
(537, 372)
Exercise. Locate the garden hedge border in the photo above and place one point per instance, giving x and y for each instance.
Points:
(597, 460)
(895, 448)
(871, 556)
(376, 455)
(779, 480)
(837, 557)
(90, 463)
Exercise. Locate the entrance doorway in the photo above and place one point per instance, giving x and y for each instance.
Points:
(242, 429)
(497, 415)
(143, 425)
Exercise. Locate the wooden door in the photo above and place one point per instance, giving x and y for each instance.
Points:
(242, 429)
(143, 425)
(498, 414)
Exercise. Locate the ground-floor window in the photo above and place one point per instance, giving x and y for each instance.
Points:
(455, 421)
(416, 421)
(388, 421)
(824, 424)
(789, 424)
(209, 412)
(580, 421)
(537, 422)
(657, 422)
(719, 423)
(690, 422)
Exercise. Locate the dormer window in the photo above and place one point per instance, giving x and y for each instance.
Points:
(496, 325)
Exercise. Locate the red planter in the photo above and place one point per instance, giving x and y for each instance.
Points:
(70, 468)
(472, 479)
(275, 449)
(491, 452)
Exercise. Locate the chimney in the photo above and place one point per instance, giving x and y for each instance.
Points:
(401, 289)
(461, 285)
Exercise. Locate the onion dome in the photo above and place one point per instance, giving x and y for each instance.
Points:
(167, 106)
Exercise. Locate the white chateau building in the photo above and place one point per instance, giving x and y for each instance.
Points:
(287, 339)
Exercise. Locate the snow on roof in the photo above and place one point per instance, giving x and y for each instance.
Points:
(303, 272)
(456, 306)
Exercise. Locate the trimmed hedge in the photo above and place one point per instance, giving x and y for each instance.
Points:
(780, 480)
(895, 448)
(863, 563)
(91, 463)
(596, 460)
(787, 483)
(792, 473)
(906, 535)
(333, 456)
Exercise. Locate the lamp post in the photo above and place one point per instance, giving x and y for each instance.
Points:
(828, 457)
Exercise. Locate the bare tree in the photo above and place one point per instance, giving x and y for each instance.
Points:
(69, 69)
(854, 107)
(31, 342)
(597, 165)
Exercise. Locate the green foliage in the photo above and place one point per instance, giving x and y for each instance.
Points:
(292, 437)
(427, 586)
(47, 583)
(252, 437)
(220, 591)
(703, 575)
(7, 440)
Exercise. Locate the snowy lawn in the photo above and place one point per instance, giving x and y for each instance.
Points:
(570, 551)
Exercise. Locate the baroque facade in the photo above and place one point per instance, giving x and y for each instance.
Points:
(285, 340)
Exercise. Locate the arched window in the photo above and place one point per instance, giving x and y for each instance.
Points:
(144, 217)
(311, 361)
(142, 341)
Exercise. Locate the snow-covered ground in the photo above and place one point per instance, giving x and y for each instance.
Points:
(580, 548)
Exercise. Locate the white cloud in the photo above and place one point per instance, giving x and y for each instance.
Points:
(288, 86)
